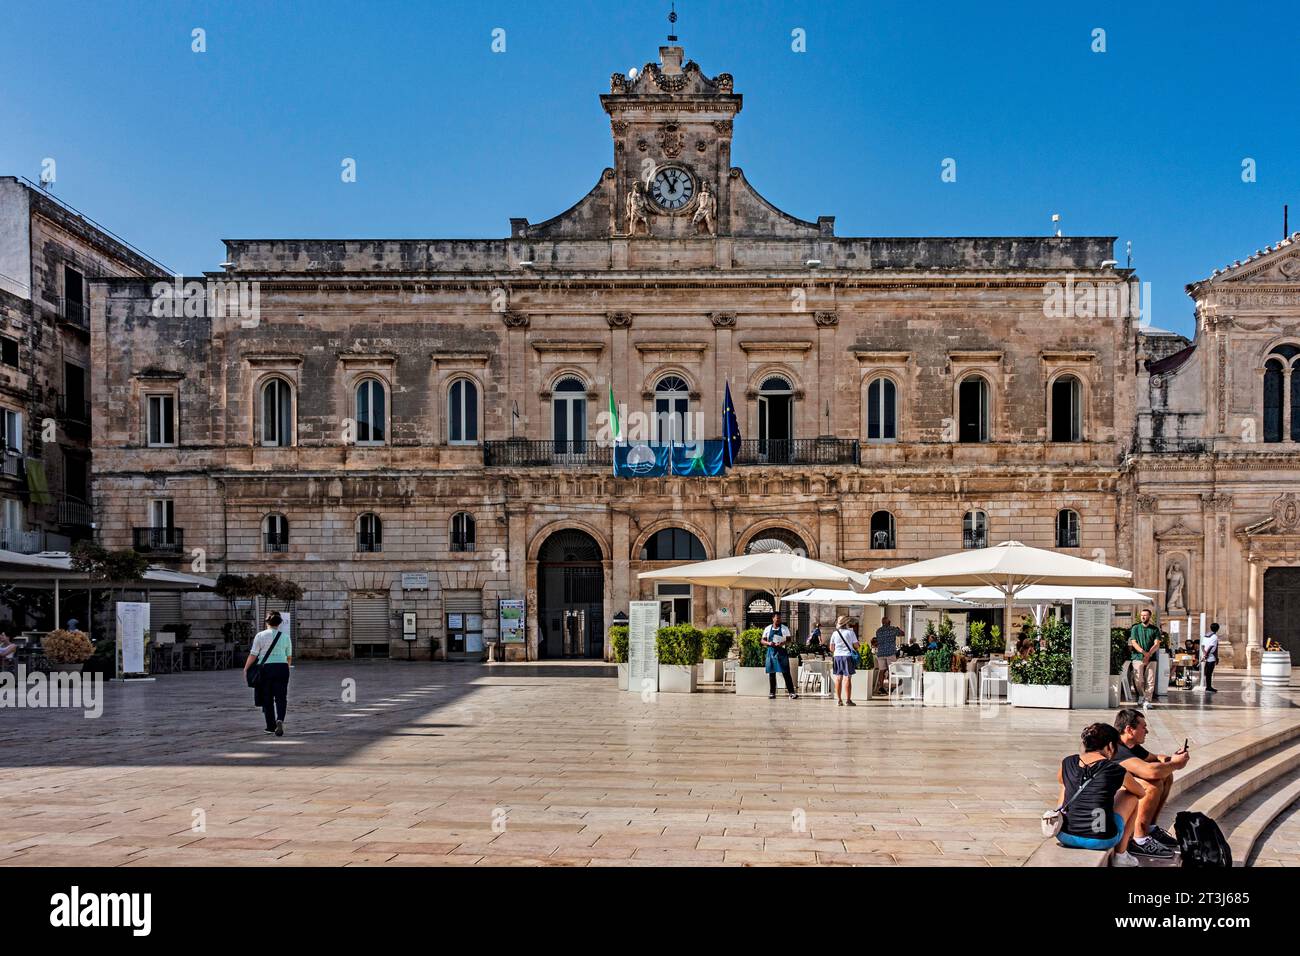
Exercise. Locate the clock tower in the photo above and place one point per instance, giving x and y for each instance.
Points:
(672, 149)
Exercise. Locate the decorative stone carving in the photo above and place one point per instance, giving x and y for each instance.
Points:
(619, 320)
(670, 139)
(515, 320)
(722, 127)
(826, 320)
(1213, 502)
(1286, 513)
(638, 210)
(618, 126)
(723, 320)
(1175, 588)
(701, 146)
(1157, 391)
(706, 208)
(1146, 504)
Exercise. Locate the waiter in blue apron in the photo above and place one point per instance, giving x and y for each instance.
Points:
(775, 636)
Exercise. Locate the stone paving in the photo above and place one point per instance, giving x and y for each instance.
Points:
(1279, 845)
(446, 764)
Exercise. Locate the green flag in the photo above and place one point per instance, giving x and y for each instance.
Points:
(613, 417)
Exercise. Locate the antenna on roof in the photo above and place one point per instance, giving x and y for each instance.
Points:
(1056, 223)
(1128, 254)
(1286, 226)
(672, 20)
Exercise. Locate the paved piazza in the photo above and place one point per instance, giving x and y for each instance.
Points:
(450, 764)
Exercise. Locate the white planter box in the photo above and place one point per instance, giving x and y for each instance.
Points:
(944, 690)
(677, 679)
(863, 683)
(711, 670)
(622, 677)
(752, 682)
(1055, 696)
(1275, 668)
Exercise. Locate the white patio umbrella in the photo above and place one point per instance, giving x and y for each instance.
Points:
(777, 572)
(910, 596)
(1009, 568)
(1038, 596)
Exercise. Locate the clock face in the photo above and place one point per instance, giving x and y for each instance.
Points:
(672, 188)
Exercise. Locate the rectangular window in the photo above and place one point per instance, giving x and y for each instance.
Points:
(9, 351)
(162, 420)
(161, 514)
(74, 297)
(11, 431)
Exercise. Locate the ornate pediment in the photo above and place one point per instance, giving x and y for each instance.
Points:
(1276, 264)
(1179, 531)
(1285, 518)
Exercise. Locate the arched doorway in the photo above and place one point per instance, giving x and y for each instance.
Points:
(759, 605)
(1282, 608)
(570, 597)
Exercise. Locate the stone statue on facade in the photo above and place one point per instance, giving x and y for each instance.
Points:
(1175, 588)
(638, 212)
(706, 210)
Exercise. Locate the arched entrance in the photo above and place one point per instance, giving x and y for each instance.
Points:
(759, 605)
(1282, 608)
(570, 597)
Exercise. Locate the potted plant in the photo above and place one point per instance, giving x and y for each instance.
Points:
(66, 650)
(1043, 678)
(679, 647)
(751, 680)
(863, 681)
(618, 640)
(717, 645)
(944, 678)
(1119, 656)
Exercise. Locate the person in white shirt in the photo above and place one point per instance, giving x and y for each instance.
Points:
(777, 660)
(273, 650)
(1210, 656)
(844, 647)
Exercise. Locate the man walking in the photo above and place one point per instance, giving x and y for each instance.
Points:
(777, 661)
(1143, 643)
(1210, 656)
(274, 652)
(886, 649)
(1155, 775)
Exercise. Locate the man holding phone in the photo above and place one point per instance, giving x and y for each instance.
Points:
(1155, 774)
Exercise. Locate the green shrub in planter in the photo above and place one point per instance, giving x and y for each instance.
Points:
(982, 643)
(930, 633)
(939, 660)
(1055, 636)
(679, 644)
(752, 652)
(618, 639)
(1119, 649)
(717, 642)
(945, 633)
(866, 659)
(1043, 667)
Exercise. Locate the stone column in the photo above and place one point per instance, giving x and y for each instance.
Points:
(622, 586)
(1254, 616)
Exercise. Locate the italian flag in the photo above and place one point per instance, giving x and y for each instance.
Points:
(613, 417)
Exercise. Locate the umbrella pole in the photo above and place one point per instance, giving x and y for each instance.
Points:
(1006, 622)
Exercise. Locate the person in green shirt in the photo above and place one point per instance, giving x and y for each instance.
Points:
(1143, 643)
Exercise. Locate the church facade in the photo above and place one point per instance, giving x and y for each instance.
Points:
(422, 427)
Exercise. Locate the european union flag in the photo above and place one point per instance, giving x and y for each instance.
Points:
(730, 431)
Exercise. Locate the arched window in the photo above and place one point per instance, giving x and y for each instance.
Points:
(882, 412)
(1067, 528)
(371, 415)
(975, 530)
(973, 409)
(1067, 409)
(275, 532)
(672, 544)
(462, 531)
(775, 419)
(569, 416)
(277, 414)
(672, 410)
(1274, 379)
(882, 531)
(370, 532)
(462, 412)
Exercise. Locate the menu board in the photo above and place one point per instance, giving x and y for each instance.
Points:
(642, 652)
(1090, 635)
(132, 628)
(511, 613)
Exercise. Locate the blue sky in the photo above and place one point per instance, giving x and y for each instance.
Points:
(176, 150)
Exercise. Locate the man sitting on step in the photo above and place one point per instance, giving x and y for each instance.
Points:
(1155, 774)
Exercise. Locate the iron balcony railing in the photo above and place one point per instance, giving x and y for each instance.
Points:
(277, 542)
(72, 410)
(974, 539)
(525, 453)
(24, 542)
(11, 464)
(369, 541)
(159, 540)
(75, 513)
(75, 312)
(1067, 539)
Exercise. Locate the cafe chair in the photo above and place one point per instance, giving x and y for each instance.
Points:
(729, 671)
(902, 680)
(994, 673)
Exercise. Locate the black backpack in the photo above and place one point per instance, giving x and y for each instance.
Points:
(1201, 842)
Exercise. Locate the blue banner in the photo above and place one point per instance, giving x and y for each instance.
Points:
(691, 459)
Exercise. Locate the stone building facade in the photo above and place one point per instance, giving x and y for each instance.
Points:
(49, 253)
(418, 426)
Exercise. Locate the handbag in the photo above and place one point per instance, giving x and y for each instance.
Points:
(1054, 820)
(254, 673)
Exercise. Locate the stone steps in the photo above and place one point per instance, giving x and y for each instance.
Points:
(1221, 776)
(1247, 823)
